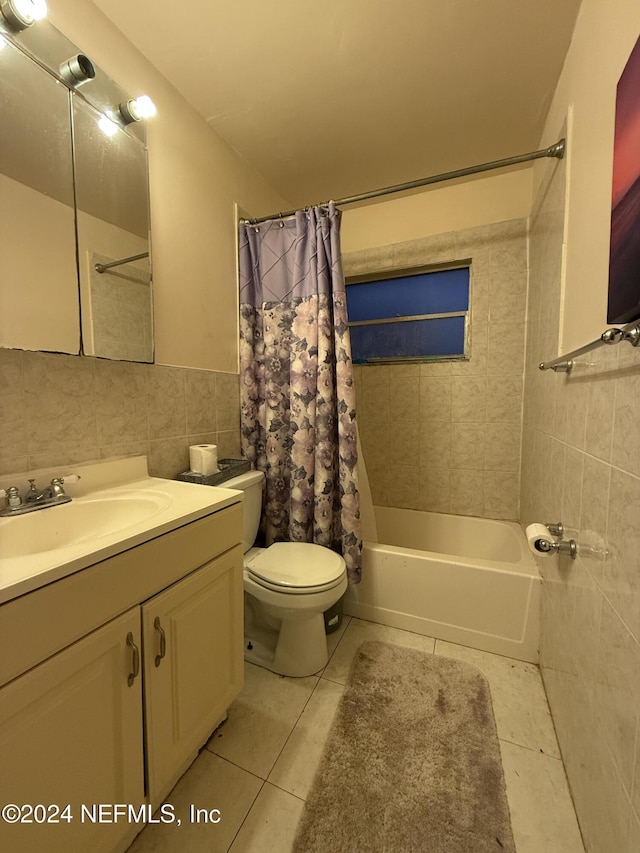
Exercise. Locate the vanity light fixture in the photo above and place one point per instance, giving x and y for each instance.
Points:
(20, 14)
(77, 70)
(136, 110)
(108, 127)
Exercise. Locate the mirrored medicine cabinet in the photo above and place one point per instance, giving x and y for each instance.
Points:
(73, 201)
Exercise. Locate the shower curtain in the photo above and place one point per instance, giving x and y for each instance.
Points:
(298, 402)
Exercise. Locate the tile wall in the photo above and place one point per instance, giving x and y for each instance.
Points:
(446, 436)
(581, 466)
(65, 409)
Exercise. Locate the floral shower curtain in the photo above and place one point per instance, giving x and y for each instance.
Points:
(298, 401)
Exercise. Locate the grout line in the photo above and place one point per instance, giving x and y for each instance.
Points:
(242, 823)
(535, 750)
(284, 791)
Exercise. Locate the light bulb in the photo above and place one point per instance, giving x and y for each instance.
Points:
(144, 106)
(108, 127)
(20, 14)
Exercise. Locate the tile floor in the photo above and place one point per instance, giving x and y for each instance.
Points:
(258, 767)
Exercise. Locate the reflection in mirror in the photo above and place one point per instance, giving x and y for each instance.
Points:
(38, 277)
(113, 225)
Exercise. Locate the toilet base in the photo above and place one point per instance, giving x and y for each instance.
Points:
(297, 650)
(286, 631)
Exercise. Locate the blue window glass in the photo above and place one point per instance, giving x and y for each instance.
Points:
(394, 301)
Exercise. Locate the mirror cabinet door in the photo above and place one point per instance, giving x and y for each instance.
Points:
(39, 307)
(113, 225)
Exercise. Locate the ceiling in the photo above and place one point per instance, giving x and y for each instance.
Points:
(328, 99)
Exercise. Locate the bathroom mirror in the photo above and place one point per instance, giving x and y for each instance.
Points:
(113, 229)
(38, 278)
(51, 296)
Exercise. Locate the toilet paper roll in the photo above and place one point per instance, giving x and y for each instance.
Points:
(203, 458)
(534, 533)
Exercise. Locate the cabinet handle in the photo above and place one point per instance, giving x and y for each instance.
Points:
(136, 660)
(163, 640)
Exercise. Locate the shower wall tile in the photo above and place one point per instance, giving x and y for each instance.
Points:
(402, 486)
(440, 248)
(468, 398)
(61, 410)
(581, 465)
(434, 490)
(616, 697)
(467, 446)
(456, 422)
(477, 363)
(358, 263)
(502, 447)
(435, 399)
(434, 447)
(501, 494)
(404, 399)
(466, 492)
(403, 440)
(506, 348)
(625, 452)
(479, 300)
(504, 399)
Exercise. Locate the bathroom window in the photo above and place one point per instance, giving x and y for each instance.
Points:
(416, 315)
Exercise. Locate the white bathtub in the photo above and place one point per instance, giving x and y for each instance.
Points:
(468, 580)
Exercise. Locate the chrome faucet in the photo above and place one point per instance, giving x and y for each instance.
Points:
(35, 498)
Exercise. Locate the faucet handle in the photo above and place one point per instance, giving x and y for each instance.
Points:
(12, 496)
(58, 482)
(70, 478)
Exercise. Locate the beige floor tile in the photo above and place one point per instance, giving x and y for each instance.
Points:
(357, 632)
(542, 814)
(295, 768)
(519, 701)
(334, 638)
(210, 783)
(261, 719)
(271, 824)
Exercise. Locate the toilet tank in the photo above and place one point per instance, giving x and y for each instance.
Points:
(251, 484)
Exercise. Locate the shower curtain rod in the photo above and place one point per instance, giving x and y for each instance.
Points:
(557, 150)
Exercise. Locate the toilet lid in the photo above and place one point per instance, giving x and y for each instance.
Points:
(297, 564)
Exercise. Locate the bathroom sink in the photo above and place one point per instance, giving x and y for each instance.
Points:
(115, 505)
(74, 523)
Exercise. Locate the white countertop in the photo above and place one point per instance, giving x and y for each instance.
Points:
(172, 503)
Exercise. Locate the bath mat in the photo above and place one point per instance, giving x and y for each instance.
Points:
(412, 762)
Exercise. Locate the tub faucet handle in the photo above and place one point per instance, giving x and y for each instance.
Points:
(556, 529)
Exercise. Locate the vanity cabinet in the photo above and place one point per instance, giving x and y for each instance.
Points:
(190, 667)
(125, 668)
(71, 733)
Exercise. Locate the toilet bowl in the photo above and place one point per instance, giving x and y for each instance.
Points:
(287, 588)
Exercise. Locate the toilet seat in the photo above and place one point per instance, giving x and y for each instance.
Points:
(296, 567)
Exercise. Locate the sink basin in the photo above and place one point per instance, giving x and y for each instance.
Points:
(76, 522)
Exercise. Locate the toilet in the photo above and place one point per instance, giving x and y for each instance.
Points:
(287, 588)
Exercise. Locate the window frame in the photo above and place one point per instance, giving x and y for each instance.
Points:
(382, 275)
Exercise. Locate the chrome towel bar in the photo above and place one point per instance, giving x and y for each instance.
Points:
(565, 363)
(104, 267)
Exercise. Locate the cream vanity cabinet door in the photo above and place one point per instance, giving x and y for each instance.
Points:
(71, 733)
(192, 665)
